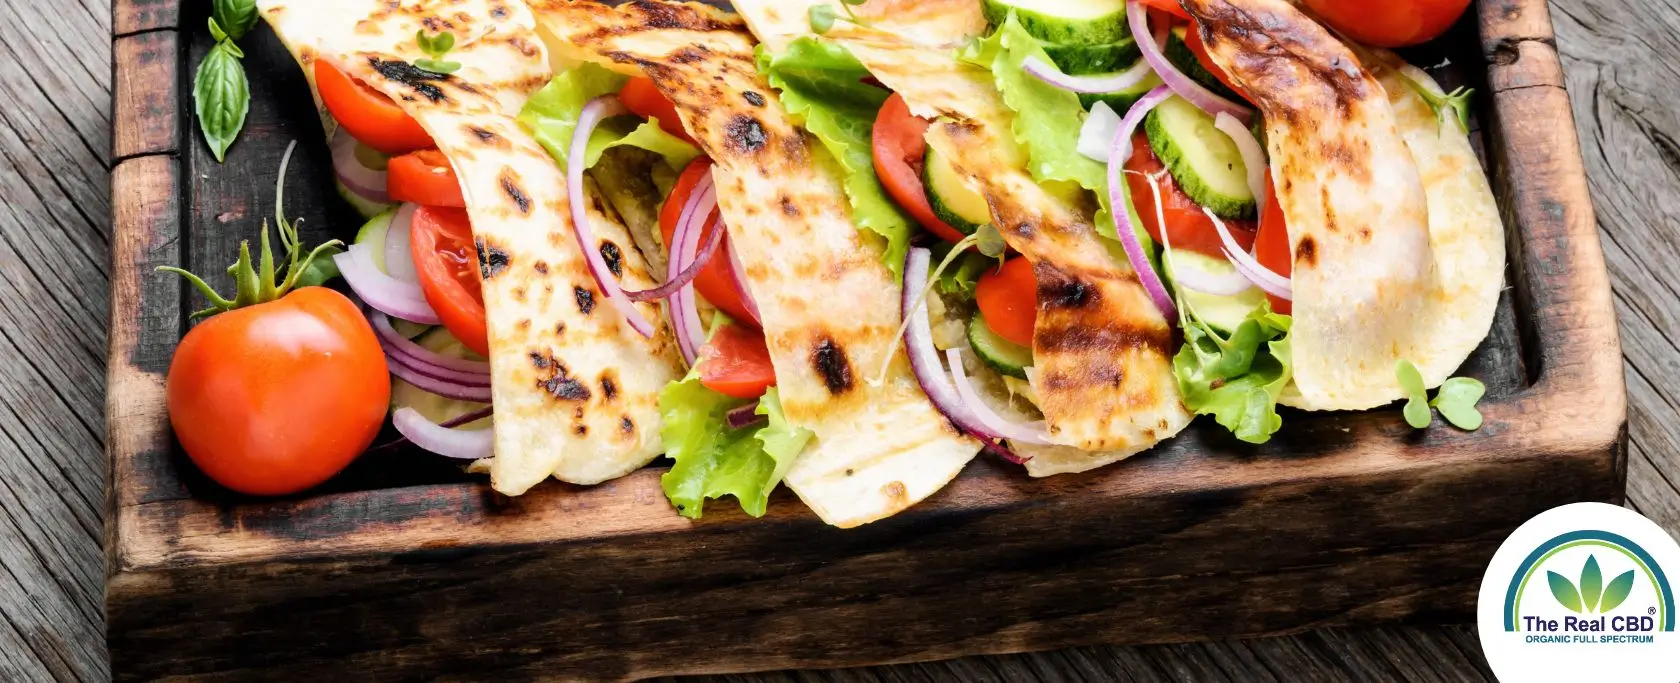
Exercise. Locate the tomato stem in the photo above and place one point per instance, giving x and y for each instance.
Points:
(250, 286)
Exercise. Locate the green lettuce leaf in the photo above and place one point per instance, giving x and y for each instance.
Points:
(781, 441)
(1237, 380)
(551, 117)
(711, 460)
(821, 85)
(1047, 118)
(961, 277)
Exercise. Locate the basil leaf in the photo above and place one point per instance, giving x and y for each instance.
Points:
(236, 17)
(221, 97)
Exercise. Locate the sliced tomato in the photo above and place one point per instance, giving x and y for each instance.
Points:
(1169, 6)
(1008, 299)
(367, 114)
(716, 280)
(641, 96)
(899, 144)
(1190, 227)
(1391, 23)
(1193, 40)
(1271, 248)
(447, 262)
(426, 178)
(736, 362)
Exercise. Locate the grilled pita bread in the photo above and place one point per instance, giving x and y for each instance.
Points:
(575, 389)
(1102, 350)
(829, 307)
(1398, 246)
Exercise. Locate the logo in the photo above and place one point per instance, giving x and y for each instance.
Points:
(1580, 591)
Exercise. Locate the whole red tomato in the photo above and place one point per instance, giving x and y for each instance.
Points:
(1390, 23)
(277, 397)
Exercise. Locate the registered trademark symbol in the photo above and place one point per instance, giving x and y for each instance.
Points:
(1650, 610)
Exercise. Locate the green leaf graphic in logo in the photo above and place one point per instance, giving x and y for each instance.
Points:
(1617, 591)
(1592, 584)
(1564, 591)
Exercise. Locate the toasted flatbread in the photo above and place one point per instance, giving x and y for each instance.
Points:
(1101, 349)
(829, 307)
(575, 389)
(1398, 247)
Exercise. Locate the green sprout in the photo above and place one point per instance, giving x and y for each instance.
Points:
(435, 47)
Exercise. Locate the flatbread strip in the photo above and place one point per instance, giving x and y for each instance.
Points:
(1102, 351)
(1466, 234)
(1351, 194)
(574, 388)
(828, 307)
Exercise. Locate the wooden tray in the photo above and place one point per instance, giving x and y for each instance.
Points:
(403, 567)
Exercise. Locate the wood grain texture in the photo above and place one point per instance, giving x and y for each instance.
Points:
(55, 251)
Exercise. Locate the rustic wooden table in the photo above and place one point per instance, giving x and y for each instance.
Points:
(55, 141)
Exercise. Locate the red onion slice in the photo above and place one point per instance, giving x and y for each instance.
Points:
(1253, 156)
(685, 238)
(997, 448)
(405, 371)
(382, 292)
(924, 358)
(1187, 275)
(399, 245)
(1094, 83)
(367, 183)
(464, 444)
(1185, 86)
(1262, 277)
(465, 379)
(707, 250)
(738, 275)
(1031, 433)
(1119, 151)
(745, 416)
(391, 339)
(591, 116)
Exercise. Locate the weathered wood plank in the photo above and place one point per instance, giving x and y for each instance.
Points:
(133, 16)
(146, 98)
(74, 48)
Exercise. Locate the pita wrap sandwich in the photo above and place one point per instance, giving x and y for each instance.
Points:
(846, 247)
(816, 258)
(575, 388)
(1380, 249)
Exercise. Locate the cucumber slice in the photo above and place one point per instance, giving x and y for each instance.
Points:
(1178, 52)
(1006, 357)
(437, 408)
(1078, 60)
(1070, 22)
(1122, 100)
(1221, 312)
(363, 207)
(953, 199)
(1203, 159)
(373, 235)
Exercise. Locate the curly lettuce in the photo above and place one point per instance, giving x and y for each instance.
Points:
(1236, 379)
(551, 117)
(1047, 118)
(821, 85)
(710, 460)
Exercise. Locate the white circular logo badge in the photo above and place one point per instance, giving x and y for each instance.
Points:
(1582, 592)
